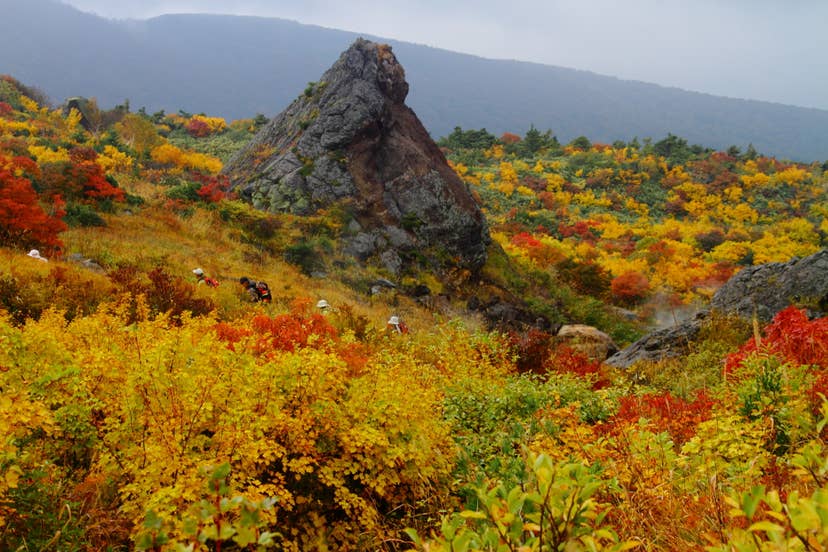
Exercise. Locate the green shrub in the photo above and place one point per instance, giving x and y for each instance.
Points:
(81, 215)
(490, 423)
(560, 502)
(188, 191)
(304, 256)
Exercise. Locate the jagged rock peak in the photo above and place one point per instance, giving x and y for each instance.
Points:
(350, 139)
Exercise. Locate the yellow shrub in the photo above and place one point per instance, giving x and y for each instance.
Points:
(114, 160)
(48, 155)
(169, 154)
(508, 174)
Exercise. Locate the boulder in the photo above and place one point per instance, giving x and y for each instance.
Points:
(590, 342)
(350, 140)
(85, 262)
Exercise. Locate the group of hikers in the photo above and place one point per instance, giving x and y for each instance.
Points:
(394, 324)
(259, 292)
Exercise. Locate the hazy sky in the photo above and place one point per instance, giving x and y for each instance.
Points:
(770, 50)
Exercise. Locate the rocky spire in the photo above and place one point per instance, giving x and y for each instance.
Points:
(350, 139)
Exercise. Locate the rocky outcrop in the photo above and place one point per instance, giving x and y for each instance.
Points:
(350, 141)
(660, 344)
(769, 288)
(761, 290)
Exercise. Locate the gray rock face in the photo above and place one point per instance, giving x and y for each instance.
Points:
(764, 290)
(350, 138)
(770, 288)
(661, 344)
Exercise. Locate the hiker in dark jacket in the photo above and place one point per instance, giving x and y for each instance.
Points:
(259, 292)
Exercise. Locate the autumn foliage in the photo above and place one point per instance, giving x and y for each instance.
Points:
(678, 416)
(630, 288)
(142, 411)
(23, 221)
(80, 178)
(792, 337)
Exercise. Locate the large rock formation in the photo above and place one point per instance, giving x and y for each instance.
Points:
(349, 139)
(761, 290)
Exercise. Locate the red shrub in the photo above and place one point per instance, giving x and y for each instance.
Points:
(525, 239)
(792, 337)
(79, 179)
(582, 229)
(288, 332)
(213, 188)
(174, 295)
(5, 109)
(197, 128)
(818, 392)
(164, 293)
(90, 175)
(355, 356)
(679, 417)
(531, 350)
(23, 222)
(567, 361)
(231, 334)
(534, 183)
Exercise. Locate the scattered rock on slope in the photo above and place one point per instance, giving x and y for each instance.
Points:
(763, 289)
(349, 139)
(587, 340)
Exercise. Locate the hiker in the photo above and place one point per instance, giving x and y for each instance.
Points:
(397, 325)
(204, 279)
(323, 306)
(259, 292)
(35, 254)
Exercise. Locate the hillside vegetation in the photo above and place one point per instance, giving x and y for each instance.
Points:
(142, 411)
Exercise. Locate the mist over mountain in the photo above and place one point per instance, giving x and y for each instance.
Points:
(237, 66)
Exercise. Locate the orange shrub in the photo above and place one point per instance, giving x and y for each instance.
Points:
(629, 288)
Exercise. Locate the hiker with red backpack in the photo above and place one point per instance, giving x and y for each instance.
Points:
(204, 279)
(259, 292)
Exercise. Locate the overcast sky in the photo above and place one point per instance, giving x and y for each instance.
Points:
(771, 50)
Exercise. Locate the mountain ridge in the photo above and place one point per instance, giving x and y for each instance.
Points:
(260, 64)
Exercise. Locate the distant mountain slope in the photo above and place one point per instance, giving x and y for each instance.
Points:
(238, 66)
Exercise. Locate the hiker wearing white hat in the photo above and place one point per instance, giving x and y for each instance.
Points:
(35, 254)
(322, 305)
(204, 279)
(397, 325)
